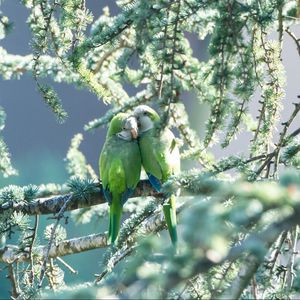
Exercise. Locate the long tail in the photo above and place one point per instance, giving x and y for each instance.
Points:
(114, 221)
(170, 217)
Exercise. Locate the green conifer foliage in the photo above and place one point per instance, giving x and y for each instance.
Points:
(238, 214)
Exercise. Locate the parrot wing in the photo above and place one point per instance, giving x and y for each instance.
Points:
(160, 156)
(131, 158)
(120, 166)
(167, 155)
(104, 162)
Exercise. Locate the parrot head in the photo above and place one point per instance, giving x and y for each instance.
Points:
(146, 117)
(123, 126)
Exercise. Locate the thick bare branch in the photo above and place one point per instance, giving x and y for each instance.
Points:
(52, 205)
(9, 253)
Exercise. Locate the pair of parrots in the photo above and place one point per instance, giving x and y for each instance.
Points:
(132, 142)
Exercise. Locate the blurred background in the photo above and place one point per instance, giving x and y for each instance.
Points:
(38, 144)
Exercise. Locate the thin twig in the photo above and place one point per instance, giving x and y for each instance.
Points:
(276, 252)
(290, 274)
(183, 290)
(293, 134)
(125, 253)
(280, 26)
(266, 163)
(107, 55)
(49, 274)
(51, 240)
(195, 288)
(254, 288)
(33, 237)
(216, 291)
(67, 265)
(174, 50)
(15, 291)
(78, 28)
(296, 40)
(283, 140)
(162, 64)
(46, 28)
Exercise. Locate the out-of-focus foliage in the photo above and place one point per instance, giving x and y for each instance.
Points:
(6, 167)
(238, 215)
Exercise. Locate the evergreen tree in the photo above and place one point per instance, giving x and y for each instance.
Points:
(238, 215)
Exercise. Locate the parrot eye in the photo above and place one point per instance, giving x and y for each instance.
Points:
(145, 113)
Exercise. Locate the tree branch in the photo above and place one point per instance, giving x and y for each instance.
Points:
(14, 283)
(9, 253)
(265, 238)
(107, 54)
(292, 252)
(52, 205)
(296, 40)
(51, 241)
(246, 272)
(33, 237)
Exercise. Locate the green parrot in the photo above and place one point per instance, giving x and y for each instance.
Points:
(120, 168)
(160, 158)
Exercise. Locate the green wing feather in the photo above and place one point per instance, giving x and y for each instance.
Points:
(150, 163)
(122, 158)
(161, 158)
(120, 167)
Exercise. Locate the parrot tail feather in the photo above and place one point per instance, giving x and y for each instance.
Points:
(155, 182)
(169, 210)
(114, 223)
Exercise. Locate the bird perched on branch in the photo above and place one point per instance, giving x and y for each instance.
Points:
(160, 158)
(120, 168)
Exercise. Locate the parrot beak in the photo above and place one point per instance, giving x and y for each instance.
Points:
(134, 133)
